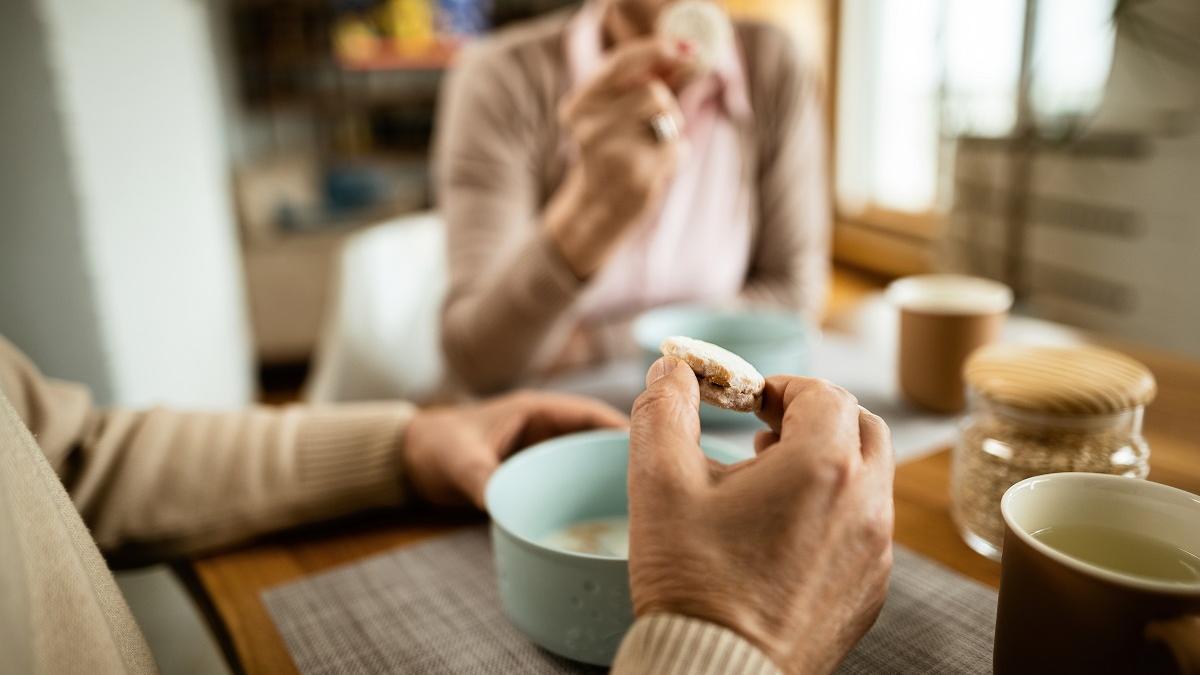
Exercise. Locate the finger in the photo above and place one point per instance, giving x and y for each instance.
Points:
(778, 394)
(764, 440)
(665, 428)
(875, 436)
(548, 415)
(687, 72)
(641, 61)
(650, 100)
(629, 67)
(825, 417)
(617, 106)
(625, 136)
(876, 441)
(630, 114)
(773, 403)
(658, 100)
(782, 392)
(814, 418)
(472, 479)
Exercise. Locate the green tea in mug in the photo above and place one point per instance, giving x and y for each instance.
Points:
(1123, 552)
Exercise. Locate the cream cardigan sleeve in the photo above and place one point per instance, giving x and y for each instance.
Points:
(790, 265)
(163, 482)
(509, 284)
(670, 644)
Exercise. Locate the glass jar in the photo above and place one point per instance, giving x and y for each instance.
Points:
(1001, 445)
(1037, 410)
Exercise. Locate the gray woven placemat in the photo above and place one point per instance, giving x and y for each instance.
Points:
(433, 609)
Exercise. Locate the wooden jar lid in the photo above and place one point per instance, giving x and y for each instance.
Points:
(1080, 380)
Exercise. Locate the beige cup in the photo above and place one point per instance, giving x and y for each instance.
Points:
(1067, 612)
(943, 318)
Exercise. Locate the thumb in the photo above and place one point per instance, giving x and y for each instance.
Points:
(664, 435)
(473, 480)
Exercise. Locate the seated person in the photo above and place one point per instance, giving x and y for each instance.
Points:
(793, 547)
(570, 209)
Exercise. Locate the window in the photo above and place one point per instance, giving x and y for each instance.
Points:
(915, 74)
(1072, 52)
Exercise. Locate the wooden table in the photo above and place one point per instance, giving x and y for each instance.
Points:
(923, 507)
(1172, 429)
(234, 581)
(230, 584)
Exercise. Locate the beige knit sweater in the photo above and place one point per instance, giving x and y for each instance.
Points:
(499, 158)
(161, 482)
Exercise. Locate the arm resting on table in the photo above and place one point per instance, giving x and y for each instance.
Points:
(175, 482)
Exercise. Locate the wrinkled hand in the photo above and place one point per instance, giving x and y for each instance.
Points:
(623, 169)
(791, 549)
(450, 453)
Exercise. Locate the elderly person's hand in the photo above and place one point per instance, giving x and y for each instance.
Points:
(450, 452)
(791, 549)
(624, 168)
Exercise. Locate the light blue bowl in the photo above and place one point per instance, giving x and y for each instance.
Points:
(775, 343)
(573, 604)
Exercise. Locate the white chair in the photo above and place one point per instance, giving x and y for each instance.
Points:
(381, 334)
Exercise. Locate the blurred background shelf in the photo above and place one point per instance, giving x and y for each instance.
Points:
(437, 56)
(332, 119)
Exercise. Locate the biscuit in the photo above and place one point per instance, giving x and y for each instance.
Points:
(726, 379)
(703, 25)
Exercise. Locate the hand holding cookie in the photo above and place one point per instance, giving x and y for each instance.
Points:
(790, 549)
(627, 128)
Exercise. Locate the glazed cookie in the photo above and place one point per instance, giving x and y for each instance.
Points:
(726, 379)
(703, 25)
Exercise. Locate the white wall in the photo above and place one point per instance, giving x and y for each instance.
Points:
(50, 315)
(140, 211)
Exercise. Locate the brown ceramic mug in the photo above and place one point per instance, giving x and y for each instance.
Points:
(943, 318)
(1100, 574)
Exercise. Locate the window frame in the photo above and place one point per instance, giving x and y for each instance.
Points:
(886, 241)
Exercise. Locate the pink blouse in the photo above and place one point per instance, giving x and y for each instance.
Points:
(696, 247)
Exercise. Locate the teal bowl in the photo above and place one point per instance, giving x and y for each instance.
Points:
(575, 605)
(775, 343)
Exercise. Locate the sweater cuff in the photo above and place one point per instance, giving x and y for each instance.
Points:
(350, 455)
(671, 644)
